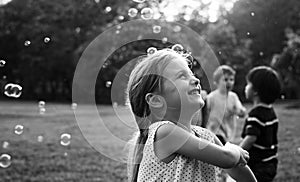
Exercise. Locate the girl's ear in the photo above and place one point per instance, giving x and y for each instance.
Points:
(155, 101)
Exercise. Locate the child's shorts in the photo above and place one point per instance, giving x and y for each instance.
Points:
(264, 171)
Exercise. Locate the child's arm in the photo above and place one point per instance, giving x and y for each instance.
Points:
(248, 141)
(239, 108)
(239, 173)
(172, 139)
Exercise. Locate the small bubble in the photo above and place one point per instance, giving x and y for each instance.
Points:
(42, 104)
(261, 53)
(2, 63)
(132, 12)
(139, 37)
(66, 154)
(225, 21)
(156, 29)
(147, 13)
(108, 84)
(164, 40)
(5, 160)
(177, 28)
(121, 18)
(27, 43)
(139, 1)
(115, 104)
(298, 149)
(178, 48)
(5, 145)
(252, 14)
(282, 97)
(47, 39)
(12, 90)
(77, 29)
(40, 138)
(118, 27)
(107, 9)
(19, 129)
(117, 31)
(65, 139)
(219, 52)
(97, 1)
(151, 50)
(42, 110)
(248, 33)
(4, 77)
(74, 106)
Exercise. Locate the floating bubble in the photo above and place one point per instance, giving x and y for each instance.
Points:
(115, 104)
(261, 53)
(252, 14)
(177, 28)
(12, 90)
(40, 138)
(108, 84)
(139, 1)
(77, 29)
(151, 50)
(19, 129)
(147, 13)
(189, 57)
(156, 29)
(97, 1)
(42, 104)
(164, 40)
(132, 12)
(66, 154)
(117, 31)
(282, 97)
(248, 33)
(27, 43)
(121, 18)
(42, 110)
(47, 39)
(65, 139)
(5, 145)
(4, 77)
(5, 160)
(178, 48)
(118, 27)
(298, 149)
(74, 106)
(2, 63)
(107, 9)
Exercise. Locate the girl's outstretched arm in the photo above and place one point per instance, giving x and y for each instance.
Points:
(239, 173)
(171, 139)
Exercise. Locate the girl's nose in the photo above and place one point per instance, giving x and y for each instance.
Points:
(195, 81)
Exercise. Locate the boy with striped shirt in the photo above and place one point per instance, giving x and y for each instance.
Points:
(261, 126)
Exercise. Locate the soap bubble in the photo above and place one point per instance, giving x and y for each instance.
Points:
(107, 9)
(139, 1)
(178, 48)
(19, 129)
(108, 84)
(74, 106)
(42, 104)
(5, 160)
(151, 50)
(164, 40)
(156, 29)
(47, 39)
(132, 12)
(12, 90)
(65, 139)
(40, 138)
(147, 13)
(5, 145)
(2, 63)
(27, 43)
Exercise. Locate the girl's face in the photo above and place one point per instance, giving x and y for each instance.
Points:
(249, 92)
(181, 88)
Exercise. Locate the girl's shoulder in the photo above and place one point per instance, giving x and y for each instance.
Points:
(203, 133)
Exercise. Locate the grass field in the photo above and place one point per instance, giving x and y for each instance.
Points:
(48, 160)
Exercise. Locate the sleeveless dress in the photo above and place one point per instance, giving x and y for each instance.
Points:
(181, 168)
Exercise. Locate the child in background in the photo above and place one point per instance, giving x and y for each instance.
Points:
(261, 126)
(223, 105)
(164, 95)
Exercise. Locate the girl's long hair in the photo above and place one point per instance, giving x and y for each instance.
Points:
(144, 78)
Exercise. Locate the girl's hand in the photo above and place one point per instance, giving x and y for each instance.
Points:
(243, 154)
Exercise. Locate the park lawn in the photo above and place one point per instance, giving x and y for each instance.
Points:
(81, 160)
